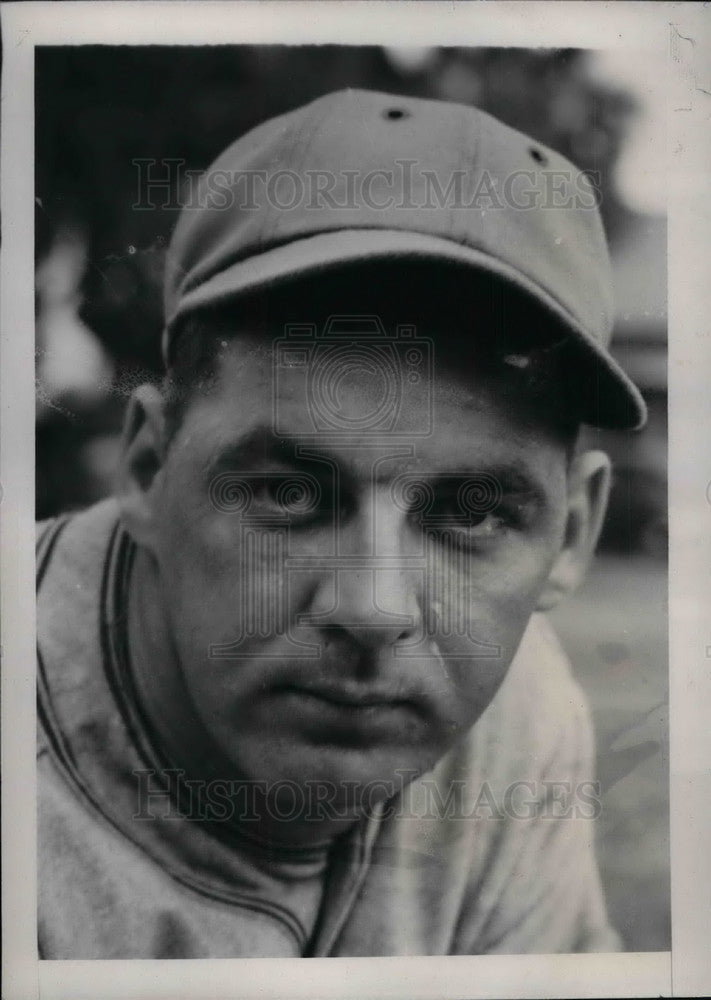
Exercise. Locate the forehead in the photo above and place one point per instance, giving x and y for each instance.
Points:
(361, 400)
(336, 357)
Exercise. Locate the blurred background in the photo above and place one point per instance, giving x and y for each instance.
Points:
(98, 307)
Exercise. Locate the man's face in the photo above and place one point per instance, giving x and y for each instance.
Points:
(346, 601)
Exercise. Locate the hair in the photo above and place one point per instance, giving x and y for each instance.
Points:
(192, 367)
(476, 320)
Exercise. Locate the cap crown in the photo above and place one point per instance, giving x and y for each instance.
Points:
(364, 160)
(359, 175)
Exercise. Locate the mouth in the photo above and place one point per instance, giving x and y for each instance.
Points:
(349, 696)
(349, 714)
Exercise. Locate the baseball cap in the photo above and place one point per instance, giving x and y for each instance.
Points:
(360, 176)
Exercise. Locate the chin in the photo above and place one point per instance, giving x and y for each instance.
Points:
(338, 771)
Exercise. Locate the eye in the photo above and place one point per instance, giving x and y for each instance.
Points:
(452, 520)
(296, 497)
(465, 526)
(485, 526)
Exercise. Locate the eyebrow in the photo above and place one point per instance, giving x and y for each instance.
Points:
(261, 445)
(514, 478)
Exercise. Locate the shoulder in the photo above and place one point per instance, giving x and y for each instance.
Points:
(71, 556)
(538, 721)
(541, 680)
(75, 542)
(71, 568)
(541, 676)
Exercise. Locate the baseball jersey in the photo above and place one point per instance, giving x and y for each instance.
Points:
(490, 852)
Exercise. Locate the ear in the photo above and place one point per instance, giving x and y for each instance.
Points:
(142, 455)
(588, 491)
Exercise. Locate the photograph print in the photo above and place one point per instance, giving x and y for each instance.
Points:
(351, 478)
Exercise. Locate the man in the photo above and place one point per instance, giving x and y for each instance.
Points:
(297, 690)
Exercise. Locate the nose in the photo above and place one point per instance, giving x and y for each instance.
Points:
(371, 593)
(371, 604)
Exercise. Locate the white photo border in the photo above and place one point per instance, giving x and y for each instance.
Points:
(682, 33)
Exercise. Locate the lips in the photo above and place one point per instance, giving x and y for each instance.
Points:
(351, 696)
(346, 715)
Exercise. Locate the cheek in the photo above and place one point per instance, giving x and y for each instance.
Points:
(495, 582)
(477, 610)
(227, 578)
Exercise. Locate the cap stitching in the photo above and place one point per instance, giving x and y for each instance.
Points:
(303, 136)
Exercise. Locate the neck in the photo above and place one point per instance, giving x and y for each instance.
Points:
(183, 740)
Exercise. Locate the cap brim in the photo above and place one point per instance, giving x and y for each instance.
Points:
(610, 398)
